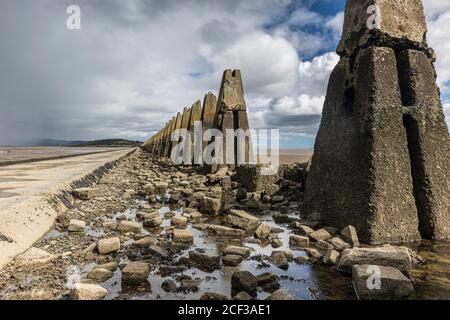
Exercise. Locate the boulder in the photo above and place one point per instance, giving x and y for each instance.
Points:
(233, 250)
(157, 251)
(34, 257)
(145, 242)
(183, 236)
(243, 296)
(204, 262)
(161, 188)
(83, 291)
(153, 222)
(396, 257)
(135, 273)
(232, 260)
(280, 295)
(210, 205)
(279, 260)
(331, 257)
(179, 222)
(320, 235)
(242, 220)
(301, 259)
(244, 281)
(303, 230)
(76, 226)
(263, 231)
(169, 286)
(129, 226)
(268, 281)
(225, 231)
(107, 246)
(391, 285)
(313, 253)
(211, 296)
(350, 235)
(111, 266)
(324, 246)
(100, 275)
(85, 193)
(339, 244)
(299, 241)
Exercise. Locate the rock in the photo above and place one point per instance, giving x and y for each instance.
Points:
(320, 235)
(339, 244)
(179, 222)
(158, 251)
(145, 242)
(146, 215)
(211, 296)
(241, 194)
(271, 189)
(34, 257)
(189, 285)
(129, 194)
(204, 262)
(225, 231)
(280, 295)
(83, 291)
(279, 260)
(396, 257)
(268, 281)
(76, 226)
(287, 253)
(107, 246)
(324, 246)
(161, 188)
(301, 259)
(331, 257)
(349, 234)
(129, 226)
(299, 241)
(149, 189)
(276, 243)
(169, 286)
(85, 193)
(153, 222)
(263, 231)
(393, 284)
(244, 281)
(210, 206)
(232, 260)
(183, 236)
(233, 250)
(135, 273)
(111, 266)
(303, 230)
(243, 296)
(313, 253)
(100, 275)
(242, 220)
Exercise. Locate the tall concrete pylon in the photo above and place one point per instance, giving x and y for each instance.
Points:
(382, 154)
(196, 117)
(232, 114)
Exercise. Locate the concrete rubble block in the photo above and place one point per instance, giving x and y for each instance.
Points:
(76, 226)
(263, 231)
(303, 230)
(34, 257)
(280, 294)
(268, 281)
(251, 178)
(85, 193)
(244, 281)
(204, 262)
(350, 235)
(396, 257)
(279, 259)
(243, 220)
(100, 275)
(183, 236)
(161, 187)
(210, 206)
(129, 226)
(243, 296)
(373, 282)
(84, 291)
(108, 246)
(339, 244)
(179, 222)
(153, 222)
(331, 257)
(224, 231)
(299, 241)
(234, 250)
(232, 260)
(135, 273)
(320, 235)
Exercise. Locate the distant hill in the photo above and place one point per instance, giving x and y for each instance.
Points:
(109, 143)
(80, 143)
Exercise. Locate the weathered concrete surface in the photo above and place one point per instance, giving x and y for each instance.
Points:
(382, 154)
(26, 213)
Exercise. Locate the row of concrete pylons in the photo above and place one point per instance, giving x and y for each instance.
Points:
(227, 112)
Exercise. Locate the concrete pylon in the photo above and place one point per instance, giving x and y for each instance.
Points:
(382, 154)
(232, 114)
(168, 143)
(196, 116)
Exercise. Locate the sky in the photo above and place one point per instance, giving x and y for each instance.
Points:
(136, 63)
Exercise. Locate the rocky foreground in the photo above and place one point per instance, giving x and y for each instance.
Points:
(150, 230)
